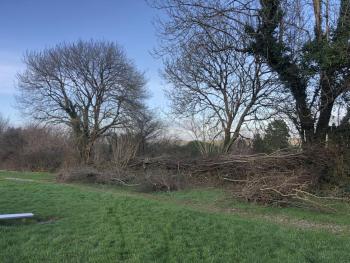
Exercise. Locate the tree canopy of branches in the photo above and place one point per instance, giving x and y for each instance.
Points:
(229, 87)
(305, 42)
(147, 127)
(90, 86)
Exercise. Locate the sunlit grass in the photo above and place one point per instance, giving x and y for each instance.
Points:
(78, 223)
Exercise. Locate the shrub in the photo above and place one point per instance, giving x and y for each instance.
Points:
(32, 148)
(78, 174)
(161, 180)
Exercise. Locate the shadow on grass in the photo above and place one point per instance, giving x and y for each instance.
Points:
(29, 221)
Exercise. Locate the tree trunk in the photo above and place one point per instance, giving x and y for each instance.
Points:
(83, 142)
(227, 140)
(289, 72)
(326, 106)
(85, 148)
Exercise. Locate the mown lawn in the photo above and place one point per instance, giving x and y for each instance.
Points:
(79, 223)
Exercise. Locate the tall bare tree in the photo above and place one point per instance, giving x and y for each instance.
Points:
(305, 42)
(232, 88)
(146, 128)
(207, 137)
(90, 86)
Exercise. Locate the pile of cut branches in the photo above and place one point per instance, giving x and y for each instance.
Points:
(226, 167)
(281, 177)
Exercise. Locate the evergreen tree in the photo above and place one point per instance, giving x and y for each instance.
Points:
(276, 135)
(258, 144)
(276, 138)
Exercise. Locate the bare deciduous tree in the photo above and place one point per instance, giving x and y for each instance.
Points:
(306, 43)
(206, 137)
(90, 86)
(146, 127)
(124, 148)
(232, 88)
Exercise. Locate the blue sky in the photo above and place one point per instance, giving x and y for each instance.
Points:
(37, 24)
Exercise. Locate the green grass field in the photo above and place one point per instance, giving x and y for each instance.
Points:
(96, 223)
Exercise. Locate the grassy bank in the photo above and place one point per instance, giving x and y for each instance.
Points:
(79, 223)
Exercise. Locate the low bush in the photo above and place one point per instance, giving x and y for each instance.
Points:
(32, 148)
(78, 174)
(162, 180)
(145, 181)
